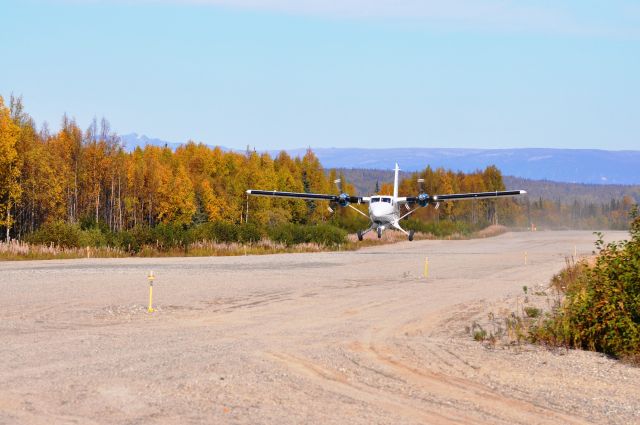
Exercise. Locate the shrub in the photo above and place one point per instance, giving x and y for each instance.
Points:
(532, 312)
(351, 223)
(89, 223)
(480, 335)
(601, 309)
(292, 234)
(58, 233)
(123, 240)
(287, 233)
(93, 237)
(218, 231)
(327, 235)
(249, 232)
(171, 235)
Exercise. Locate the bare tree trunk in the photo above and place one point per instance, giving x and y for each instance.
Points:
(8, 220)
(119, 206)
(97, 206)
(75, 194)
(112, 206)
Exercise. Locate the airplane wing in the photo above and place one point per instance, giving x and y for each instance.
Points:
(310, 196)
(460, 196)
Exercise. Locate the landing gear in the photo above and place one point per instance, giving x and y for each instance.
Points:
(411, 232)
(379, 232)
(360, 235)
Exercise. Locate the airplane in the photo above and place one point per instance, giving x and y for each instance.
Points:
(384, 210)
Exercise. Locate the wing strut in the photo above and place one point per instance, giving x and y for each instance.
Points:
(351, 206)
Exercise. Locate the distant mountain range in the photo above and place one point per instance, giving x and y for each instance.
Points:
(589, 166)
(563, 165)
(364, 181)
(132, 141)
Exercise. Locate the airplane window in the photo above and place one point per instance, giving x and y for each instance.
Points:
(386, 200)
(375, 200)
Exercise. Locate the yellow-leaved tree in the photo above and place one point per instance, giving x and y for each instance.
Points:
(9, 170)
(177, 202)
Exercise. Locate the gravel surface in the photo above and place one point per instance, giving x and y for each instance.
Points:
(328, 338)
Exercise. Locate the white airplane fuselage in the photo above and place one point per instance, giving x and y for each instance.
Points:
(383, 211)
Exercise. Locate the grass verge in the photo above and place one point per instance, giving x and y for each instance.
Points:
(18, 250)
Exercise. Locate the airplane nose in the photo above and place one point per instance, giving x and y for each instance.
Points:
(379, 210)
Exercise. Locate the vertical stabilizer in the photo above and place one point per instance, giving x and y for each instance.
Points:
(395, 183)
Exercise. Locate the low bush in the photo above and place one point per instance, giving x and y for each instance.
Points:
(58, 233)
(532, 312)
(165, 237)
(92, 237)
(293, 234)
(351, 223)
(601, 307)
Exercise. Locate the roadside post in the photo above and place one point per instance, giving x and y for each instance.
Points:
(525, 258)
(150, 278)
(426, 267)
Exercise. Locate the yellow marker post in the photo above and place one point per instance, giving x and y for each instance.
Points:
(150, 278)
(525, 258)
(426, 267)
(575, 251)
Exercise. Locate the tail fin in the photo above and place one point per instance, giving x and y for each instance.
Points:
(395, 183)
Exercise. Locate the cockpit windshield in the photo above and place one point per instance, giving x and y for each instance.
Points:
(381, 199)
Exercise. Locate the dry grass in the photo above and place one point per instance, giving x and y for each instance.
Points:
(16, 250)
(218, 249)
(488, 232)
(23, 251)
(568, 276)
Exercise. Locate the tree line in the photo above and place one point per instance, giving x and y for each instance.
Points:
(88, 178)
(548, 205)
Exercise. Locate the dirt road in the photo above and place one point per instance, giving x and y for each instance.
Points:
(330, 338)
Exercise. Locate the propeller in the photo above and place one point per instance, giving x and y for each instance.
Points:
(423, 198)
(344, 198)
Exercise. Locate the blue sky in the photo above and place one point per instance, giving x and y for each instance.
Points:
(350, 73)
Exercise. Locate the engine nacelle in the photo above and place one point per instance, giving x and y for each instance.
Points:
(423, 199)
(343, 199)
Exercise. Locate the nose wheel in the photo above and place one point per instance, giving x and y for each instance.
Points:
(360, 235)
(411, 232)
(379, 232)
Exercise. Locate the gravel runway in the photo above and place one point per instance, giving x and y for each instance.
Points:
(324, 338)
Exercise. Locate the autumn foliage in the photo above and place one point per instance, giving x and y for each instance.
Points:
(87, 178)
(78, 188)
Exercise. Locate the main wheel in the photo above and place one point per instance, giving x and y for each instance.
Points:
(379, 232)
(359, 235)
(411, 232)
